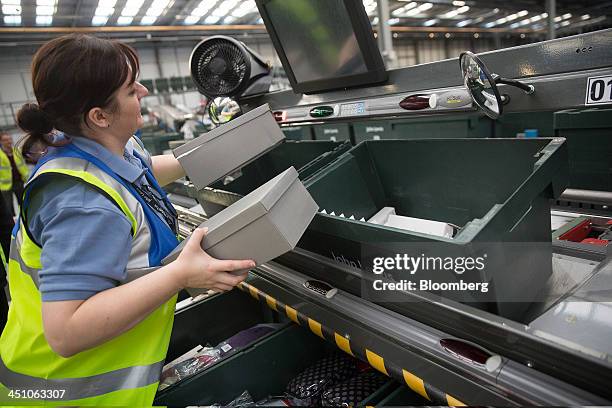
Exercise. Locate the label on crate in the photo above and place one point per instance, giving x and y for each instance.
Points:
(599, 90)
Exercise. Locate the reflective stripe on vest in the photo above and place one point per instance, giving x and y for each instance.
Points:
(86, 387)
(122, 371)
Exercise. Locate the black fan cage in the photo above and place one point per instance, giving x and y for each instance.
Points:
(234, 78)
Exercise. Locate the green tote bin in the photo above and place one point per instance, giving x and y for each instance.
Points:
(297, 132)
(443, 126)
(510, 124)
(333, 131)
(371, 130)
(589, 143)
(306, 156)
(495, 190)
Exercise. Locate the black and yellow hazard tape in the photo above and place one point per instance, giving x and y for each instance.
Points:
(343, 342)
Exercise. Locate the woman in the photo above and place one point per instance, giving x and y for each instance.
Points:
(85, 327)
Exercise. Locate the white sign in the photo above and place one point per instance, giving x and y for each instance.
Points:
(599, 90)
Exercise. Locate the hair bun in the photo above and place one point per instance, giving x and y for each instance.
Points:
(33, 120)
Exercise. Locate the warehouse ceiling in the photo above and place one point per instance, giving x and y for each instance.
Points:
(573, 16)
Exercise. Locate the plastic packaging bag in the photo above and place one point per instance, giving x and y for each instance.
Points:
(204, 358)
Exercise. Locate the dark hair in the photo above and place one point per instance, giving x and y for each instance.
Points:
(71, 75)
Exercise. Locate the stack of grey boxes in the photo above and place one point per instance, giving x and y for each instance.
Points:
(265, 223)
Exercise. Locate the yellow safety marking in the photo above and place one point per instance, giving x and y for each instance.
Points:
(292, 314)
(254, 291)
(415, 383)
(343, 343)
(271, 302)
(453, 402)
(376, 361)
(241, 285)
(315, 327)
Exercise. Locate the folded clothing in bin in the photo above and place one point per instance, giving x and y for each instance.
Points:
(310, 383)
(230, 146)
(247, 337)
(262, 225)
(352, 392)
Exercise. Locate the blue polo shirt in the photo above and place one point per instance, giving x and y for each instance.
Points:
(85, 238)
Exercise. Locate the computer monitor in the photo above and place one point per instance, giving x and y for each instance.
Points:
(323, 44)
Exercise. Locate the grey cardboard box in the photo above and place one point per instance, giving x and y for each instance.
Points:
(227, 148)
(262, 225)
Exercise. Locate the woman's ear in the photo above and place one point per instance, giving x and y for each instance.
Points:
(99, 118)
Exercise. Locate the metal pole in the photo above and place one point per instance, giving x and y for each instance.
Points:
(384, 33)
(551, 9)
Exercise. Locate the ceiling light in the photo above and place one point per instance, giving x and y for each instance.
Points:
(190, 20)
(45, 10)
(585, 17)
(393, 21)
(565, 24)
(148, 20)
(558, 18)
(44, 20)
(463, 23)
(212, 19)
(101, 11)
(106, 3)
(431, 22)
(12, 20)
(125, 20)
(99, 20)
(11, 9)
(515, 25)
(490, 25)
(425, 6)
(11, 2)
(523, 13)
(476, 35)
(463, 9)
(458, 3)
(44, 2)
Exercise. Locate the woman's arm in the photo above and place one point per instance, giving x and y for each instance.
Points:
(77, 325)
(166, 169)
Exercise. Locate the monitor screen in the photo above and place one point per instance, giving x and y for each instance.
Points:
(323, 44)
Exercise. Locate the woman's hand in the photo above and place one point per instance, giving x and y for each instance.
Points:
(196, 269)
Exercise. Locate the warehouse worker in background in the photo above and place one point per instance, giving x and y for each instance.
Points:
(6, 225)
(89, 321)
(13, 171)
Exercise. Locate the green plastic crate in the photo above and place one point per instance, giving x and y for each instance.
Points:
(443, 126)
(280, 355)
(372, 130)
(403, 396)
(162, 85)
(298, 132)
(510, 124)
(497, 190)
(333, 131)
(177, 84)
(157, 142)
(148, 83)
(589, 143)
(306, 156)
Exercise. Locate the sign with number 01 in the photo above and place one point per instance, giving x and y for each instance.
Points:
(599, 90)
